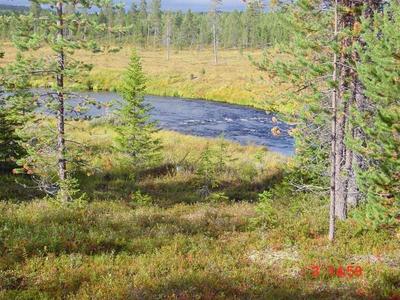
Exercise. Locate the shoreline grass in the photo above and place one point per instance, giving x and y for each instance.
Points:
(188, 74)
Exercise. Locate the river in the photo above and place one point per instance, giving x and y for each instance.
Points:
(211, 119)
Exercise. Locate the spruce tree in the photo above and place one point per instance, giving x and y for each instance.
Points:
(135, 130)
(16, 108)
(10, 148)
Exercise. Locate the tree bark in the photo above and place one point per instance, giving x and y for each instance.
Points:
(350, 96)
(341, 149)
(215, 42)
(155, 34)
(332, 227)
(62, 164)
(343, 162)
(148, 35)
(352, 160)
(168, 37)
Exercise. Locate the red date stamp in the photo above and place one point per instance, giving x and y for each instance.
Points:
(350, 271)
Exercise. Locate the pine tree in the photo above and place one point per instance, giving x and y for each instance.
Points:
(108, 12)
(144, 22)
(204, 33)
(35, 10)
(308, 66)
(136, 130)
(189, 29)
(304, 64)
(232, 30)
(59, 30)
(379, 71)
(155, 19)
(252, 22)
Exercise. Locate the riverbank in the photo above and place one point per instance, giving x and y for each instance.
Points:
(169, 241)
(188, 74)
(206, 119)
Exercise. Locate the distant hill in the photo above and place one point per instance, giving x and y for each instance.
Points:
(13, 8)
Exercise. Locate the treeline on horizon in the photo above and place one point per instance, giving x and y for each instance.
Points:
(146, 24)
(8, 9)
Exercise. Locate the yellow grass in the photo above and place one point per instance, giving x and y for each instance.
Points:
(190, 147)
(188, 74)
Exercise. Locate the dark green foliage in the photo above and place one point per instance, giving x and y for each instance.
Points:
(380, 122)
(16, 106)
(10, 148)
(368, 115)
(267, 213)
(136, 129)
(213, 162)
(59, 28)
(207, 172)
(305, 63)
(146, 25)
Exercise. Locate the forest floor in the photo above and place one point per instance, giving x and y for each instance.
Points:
(169, 242)
(188, 74)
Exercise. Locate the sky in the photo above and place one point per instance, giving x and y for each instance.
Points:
(195, 5)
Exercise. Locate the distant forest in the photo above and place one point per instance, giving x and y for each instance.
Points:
(9, 9)
(145, 24)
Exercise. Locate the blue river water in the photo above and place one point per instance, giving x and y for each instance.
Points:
(211, 119)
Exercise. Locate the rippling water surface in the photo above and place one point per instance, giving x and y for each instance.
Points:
(212, 119)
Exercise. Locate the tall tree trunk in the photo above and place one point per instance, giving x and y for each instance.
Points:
(168, 37)
(344, 102)
(155, 34)
(62, 164)
(352, 160)
(148, 35)
(215, 42)
(341, 149)
(332, 229)
(350, 96)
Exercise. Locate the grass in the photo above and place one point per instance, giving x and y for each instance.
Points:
(188, 74)
(107, 176)
(108, 250)
(169, 242)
